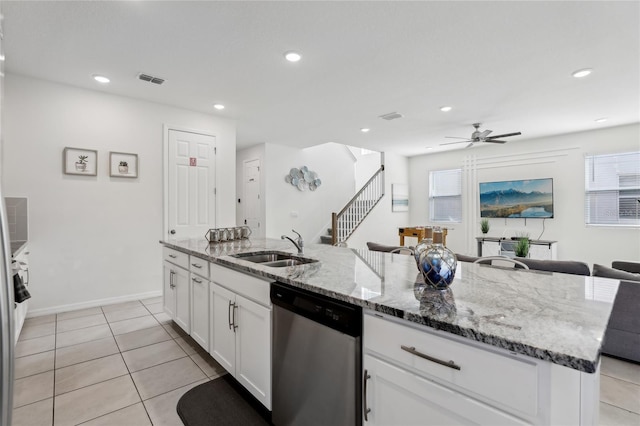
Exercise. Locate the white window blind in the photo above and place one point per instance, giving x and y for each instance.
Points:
(612, 189)
(445, 195)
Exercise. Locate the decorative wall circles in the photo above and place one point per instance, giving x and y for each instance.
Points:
(303, 179)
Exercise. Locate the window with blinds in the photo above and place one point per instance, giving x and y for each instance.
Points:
(445, 195)
(612, 189)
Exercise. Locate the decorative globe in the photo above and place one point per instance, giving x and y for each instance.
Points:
(438, 266)
(422, 246)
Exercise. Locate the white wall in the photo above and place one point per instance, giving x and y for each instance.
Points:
(95, 238)
(253, 153)
(381, 226)
(558, 157)
(307, 212)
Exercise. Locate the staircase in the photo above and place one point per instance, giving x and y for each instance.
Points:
(345, 222)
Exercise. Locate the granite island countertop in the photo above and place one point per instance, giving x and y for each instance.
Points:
(556, 317)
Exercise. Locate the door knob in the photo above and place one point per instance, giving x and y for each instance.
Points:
(173, 231)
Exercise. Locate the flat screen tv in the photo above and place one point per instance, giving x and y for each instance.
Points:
(531, 198)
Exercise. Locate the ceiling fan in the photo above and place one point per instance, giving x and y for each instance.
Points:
(481, 136)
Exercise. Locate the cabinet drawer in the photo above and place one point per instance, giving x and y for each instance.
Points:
(199, 266)
(515, 388)
(251, 287)
(176, 257)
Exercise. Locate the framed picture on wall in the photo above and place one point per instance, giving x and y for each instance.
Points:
(78, 161)
(399, 197)
(122, 164)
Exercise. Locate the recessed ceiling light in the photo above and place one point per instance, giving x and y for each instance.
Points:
(582, 73)
(292, 56)
(101, 79)
(364, 130)
(218, 106)
(445, 108)
(601, 120)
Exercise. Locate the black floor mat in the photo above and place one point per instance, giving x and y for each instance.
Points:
(221, 402)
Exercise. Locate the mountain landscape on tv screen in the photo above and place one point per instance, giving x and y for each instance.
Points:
(515, 203)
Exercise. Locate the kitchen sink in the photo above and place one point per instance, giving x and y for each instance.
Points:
(274, 259)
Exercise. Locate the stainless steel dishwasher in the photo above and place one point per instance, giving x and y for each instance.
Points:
(317, 359)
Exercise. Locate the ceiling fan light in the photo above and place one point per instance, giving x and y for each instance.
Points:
(582, 73)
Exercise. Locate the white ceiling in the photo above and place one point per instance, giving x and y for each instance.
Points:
(505, 64)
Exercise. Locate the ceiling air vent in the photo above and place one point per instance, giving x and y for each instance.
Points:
(391, 116)
(150, 78)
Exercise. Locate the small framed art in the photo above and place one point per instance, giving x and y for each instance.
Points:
(78, 161)
(122, 164)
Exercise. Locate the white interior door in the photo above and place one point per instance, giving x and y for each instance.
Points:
(191, 184)
(251, 201)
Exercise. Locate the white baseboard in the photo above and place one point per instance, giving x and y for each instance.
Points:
(92, 304)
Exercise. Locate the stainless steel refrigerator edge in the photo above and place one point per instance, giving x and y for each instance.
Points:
(6, 284)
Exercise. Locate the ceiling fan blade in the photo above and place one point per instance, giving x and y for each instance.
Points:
(504, 135)
(451, 143)
(455, 137)
(494, 141)
(484, 134)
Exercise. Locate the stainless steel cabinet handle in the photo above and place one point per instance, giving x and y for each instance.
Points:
(367, 376)
(171, 284)
(173, 256)
(235, 307)
(28, 278)
(196, 280)
(229, 315)
(196, 265)
(412, 350)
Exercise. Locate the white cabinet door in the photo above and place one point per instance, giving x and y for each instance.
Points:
(200, 311)
(222, 339)
(253, 349)
(490, 248)
(182, 315)
(168, 293)
(396, 396)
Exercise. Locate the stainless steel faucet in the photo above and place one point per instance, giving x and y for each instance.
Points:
(299, 244)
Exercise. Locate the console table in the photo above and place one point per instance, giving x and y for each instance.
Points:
(538, 249)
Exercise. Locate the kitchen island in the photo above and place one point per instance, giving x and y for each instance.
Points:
(553, 324)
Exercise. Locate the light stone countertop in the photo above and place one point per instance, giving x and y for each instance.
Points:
(556, 317)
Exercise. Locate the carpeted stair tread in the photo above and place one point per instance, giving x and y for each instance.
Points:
(216, 403)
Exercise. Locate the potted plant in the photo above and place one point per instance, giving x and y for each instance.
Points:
(123, 167)
(81, 164)
(522, 247)
(484, 225)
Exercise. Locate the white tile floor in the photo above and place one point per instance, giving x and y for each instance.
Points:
(128, 364)
(124, 364)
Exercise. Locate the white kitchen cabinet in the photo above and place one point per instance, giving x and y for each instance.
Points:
(200, 310)
(240, 329)
(176, 294)
(396, 396)
(222, 340)
(416, 375)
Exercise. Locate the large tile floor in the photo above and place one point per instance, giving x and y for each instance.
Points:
(124, 364)
(128, 364)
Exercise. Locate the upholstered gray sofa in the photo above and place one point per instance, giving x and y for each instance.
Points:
(622, 339)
